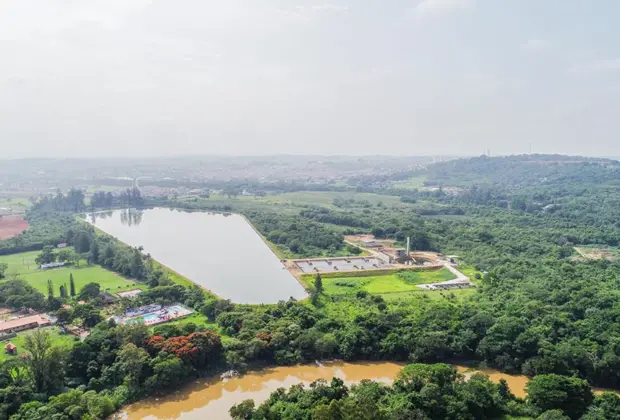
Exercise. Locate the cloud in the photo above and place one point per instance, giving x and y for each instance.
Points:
(308, 12)
(596, 66)
(330, 8)
(426, 8)
(537, 45)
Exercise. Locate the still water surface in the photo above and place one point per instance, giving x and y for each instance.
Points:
(212, 399)
(220, 252)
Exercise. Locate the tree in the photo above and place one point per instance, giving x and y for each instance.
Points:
(213, 308)
(50, 289)
(555, 392)
(3, 268)
(553, 415)
(92, 318)
(75, 200)
(82, 242)
(84, 256)
(66, 255)
(90, 291)
(94, 252)
(71, 285)
(46, 256)
(243, 410)
(606, 406)
(318, 283)
(18, 294)
(63, 316)
(132, 361)
(169, 372)
(138, 270)
(45, 362)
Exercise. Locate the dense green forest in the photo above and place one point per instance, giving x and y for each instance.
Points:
(540, 309)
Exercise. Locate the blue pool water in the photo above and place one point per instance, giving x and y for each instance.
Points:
(150, 317)
(177, 308)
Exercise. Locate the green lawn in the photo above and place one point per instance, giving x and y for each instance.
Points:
(66, 340)
(17, 205)
(289, 202)
(23, 264)
(196, 318)
(396, 283)
(430, 294)
(326, 198)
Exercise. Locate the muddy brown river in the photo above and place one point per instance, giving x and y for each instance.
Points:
(211, 399)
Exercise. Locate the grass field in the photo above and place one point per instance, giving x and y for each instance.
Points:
(401, 283)
(411, 183)
(66, 340)
(430, 294)
(287, 202)
(23, 264)
(326, 198)
(14, 205)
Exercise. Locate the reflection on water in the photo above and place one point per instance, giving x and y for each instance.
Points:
(131, 217)
(213, 399)
(516, 383)
(220, 252)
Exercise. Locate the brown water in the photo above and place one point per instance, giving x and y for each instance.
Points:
(221, 252)
(212, 399)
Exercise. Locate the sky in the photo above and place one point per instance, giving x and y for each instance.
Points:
(125, 78)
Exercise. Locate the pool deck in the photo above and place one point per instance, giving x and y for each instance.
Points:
(160, 316)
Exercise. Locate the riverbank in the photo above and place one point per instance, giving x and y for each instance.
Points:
(212, 398)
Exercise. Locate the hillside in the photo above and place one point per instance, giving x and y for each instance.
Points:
(522, 170)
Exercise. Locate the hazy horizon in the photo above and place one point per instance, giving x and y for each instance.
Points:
(150, 78)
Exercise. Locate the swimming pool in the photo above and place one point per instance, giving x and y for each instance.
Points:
(150, 317)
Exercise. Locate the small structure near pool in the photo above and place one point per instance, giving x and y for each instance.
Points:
(129, 293)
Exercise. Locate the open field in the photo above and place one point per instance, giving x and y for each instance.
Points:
(412, 183)
(295, 199)
(11, 226)
(195, 318)
(326, 198)
(430, 294)
(65, 340)
(23, 264)
(598, 253)
(14, 205)
(395, 283)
